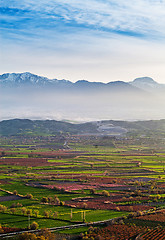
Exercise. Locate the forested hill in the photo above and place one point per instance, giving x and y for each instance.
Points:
(52, 127)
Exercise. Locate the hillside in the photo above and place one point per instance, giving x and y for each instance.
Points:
(52, 127)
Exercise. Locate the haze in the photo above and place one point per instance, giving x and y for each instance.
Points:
(80, 106)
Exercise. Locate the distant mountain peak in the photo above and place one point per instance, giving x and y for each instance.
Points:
(147, 80)
(147, 84)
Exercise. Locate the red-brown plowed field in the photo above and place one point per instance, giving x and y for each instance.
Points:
(71, 186)
(117, 232)
(32, 162)
(154, 234)
(4, 182)
(104, 203)
(9, 230)
(154, 217)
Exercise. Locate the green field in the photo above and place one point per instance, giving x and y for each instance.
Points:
(92, 183)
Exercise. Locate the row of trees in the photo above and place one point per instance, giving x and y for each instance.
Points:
(36, 213)
(14, 209)
(44, 234)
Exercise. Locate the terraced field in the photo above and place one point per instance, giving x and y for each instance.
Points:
(82, 181)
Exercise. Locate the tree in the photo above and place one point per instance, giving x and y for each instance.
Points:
(36, 212)
(29, 196)
(56, 200)
(15, 192)
(92, 165)
(1, 229)
(92, 191)
(55, 214)
(50, 200)
(3, 208)
(44, 200)
(13, 205)
(105, 193)
(24, 210)
(117, 209)
(139, 164)
(137, 193)
(47, 234)
(19, 204)
(29, 236)
(2, 153)
(29, 212)
(34, 225)
(158, 196)
(62, 190)
(85, 205)
(46, 214)
(13, 210)
(62, 203)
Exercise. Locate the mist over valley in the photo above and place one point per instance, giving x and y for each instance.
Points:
(26, 95)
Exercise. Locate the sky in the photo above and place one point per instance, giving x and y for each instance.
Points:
(96, 40)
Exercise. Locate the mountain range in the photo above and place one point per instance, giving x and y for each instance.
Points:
(28, 79)
(26, 95)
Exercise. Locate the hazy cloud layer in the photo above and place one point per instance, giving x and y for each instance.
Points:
(78, 106)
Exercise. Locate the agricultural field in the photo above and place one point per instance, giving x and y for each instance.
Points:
(66, 180)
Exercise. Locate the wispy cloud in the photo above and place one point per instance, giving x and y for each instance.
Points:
(78, 39)
(145, 17)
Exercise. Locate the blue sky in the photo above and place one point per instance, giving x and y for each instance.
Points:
(84, 39)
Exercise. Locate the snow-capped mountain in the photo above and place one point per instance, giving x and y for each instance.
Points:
(29, 79)
(18, 79)
(26, 95)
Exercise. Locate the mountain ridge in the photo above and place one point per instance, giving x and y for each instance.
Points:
(104, 127)
(27, 95)
(29, 79)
